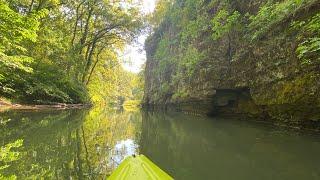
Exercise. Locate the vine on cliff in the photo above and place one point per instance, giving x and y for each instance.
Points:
(224, 22)
(272, 14)
(309, 48)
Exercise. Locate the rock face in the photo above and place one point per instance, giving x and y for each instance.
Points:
(262, 78)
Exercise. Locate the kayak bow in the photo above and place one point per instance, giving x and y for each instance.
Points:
(138, 168)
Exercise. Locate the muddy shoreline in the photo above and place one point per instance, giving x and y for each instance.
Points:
(59, 106)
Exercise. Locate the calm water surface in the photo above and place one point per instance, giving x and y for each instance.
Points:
(89, 144)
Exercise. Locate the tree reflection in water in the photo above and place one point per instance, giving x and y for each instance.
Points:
(77, 144)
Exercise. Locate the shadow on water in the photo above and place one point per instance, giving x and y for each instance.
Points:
(89, 144)
(191, 147)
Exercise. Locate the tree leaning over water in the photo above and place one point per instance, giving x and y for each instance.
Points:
(50, 49)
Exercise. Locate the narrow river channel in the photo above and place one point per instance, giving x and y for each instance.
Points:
(89, 144)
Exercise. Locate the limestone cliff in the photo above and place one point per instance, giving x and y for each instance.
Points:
(247, 70)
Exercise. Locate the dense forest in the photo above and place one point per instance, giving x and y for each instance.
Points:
(257, 57)
(54, 51)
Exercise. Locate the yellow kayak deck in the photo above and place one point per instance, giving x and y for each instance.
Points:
(138, 168)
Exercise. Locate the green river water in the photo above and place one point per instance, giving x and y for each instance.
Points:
(89, 144)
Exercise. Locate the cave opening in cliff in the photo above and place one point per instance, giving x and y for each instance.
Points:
(227, 100)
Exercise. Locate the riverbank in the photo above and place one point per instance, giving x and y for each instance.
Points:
(7, 105)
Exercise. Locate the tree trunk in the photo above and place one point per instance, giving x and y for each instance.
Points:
(94, 66)
(76, 23)
(89, 60)
(86, 27)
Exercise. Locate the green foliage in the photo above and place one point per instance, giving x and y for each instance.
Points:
(49, 50)
(16, 28)
(192, 31)
(190, 59)
(165, 87)
(309, 48)
(161, 11)
(272, 13)
(120, 85)
(180, 94)
(16, 63)
(137, 85)
(223, 22)
(163, 51)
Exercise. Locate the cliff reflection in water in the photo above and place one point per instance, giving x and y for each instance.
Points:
(190, 147)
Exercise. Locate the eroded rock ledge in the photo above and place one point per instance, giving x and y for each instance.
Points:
(263, 79)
